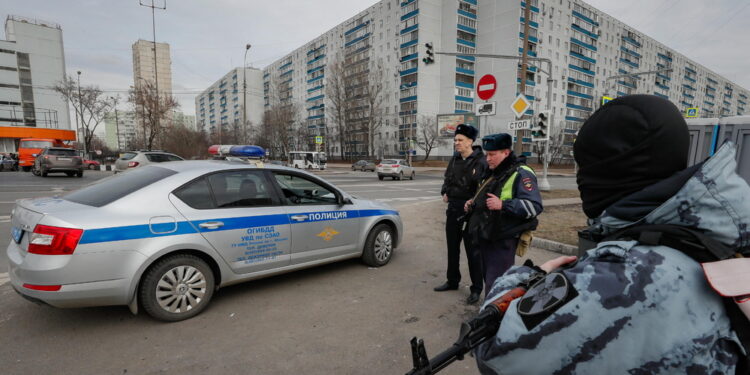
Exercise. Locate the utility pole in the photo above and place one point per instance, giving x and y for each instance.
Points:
(83, 124)
(518, 146)
(115, 100)
(156, 69)
(244, 91)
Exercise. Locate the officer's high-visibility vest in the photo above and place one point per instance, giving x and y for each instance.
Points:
(507, 192)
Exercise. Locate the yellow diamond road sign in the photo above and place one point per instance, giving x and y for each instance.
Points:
(520, 105)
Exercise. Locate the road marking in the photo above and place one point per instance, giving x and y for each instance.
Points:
(4, 278)
(4, 219)
(406, 199)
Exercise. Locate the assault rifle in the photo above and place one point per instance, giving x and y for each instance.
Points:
(473, 333)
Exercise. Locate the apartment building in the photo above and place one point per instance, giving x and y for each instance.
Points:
(220, 108)
(593, 55)
(32, 61)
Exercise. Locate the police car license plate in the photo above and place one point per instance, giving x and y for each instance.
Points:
(17, 234)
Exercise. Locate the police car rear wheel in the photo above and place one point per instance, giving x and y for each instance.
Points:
(379, 246)
(176, 288)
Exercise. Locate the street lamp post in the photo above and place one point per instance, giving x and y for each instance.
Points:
(156, 69)
(244, 91)
(83, 124)
(117, 122)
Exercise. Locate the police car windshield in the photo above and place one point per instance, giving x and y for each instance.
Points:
(113, 188)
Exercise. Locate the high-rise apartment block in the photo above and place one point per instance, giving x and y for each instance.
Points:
(32, 61)
(593, 55)
(219, 109)
(144, 68)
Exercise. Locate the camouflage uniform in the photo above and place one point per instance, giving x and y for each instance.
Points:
(635, 309)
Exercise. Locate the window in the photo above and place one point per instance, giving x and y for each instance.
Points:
(113, 188)
(196, 194)
(61, 152)
(240, 189)
(298, 190)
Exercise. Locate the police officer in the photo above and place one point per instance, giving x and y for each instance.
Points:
(506, 205)
(462, 177)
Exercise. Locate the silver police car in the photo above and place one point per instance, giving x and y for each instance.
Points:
(165, 237)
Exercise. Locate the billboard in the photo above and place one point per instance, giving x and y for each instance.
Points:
(447, 123)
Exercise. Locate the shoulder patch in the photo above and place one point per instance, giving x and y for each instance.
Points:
(527, 184)
(544, 298)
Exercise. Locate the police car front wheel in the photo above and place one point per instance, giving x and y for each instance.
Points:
(176, 288)
(379, 246)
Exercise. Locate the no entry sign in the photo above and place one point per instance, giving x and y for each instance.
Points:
(486, 86)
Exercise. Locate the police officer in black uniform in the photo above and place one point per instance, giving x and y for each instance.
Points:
(462, 177)
(505, 208)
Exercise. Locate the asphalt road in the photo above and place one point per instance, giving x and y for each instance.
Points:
(342, 318)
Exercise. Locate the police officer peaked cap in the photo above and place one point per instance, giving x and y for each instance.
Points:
(467, 130)
(494, 142)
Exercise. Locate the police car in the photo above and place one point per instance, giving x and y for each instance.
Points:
(165, 237)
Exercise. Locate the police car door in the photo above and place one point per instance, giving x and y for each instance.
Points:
(321, 228)
(240, 214)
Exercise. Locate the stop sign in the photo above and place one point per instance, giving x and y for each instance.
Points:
(486, 86)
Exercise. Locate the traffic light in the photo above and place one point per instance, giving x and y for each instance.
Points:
(540, 126)
(429, 57)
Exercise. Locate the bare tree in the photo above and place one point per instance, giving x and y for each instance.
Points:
(90, 104)
(374, 98)
(336, 93)
(153, 108)
(188, 143)
(428, 136)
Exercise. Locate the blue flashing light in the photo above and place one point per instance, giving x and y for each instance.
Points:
(247, 151)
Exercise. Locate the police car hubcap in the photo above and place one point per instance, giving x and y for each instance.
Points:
(383, 245)
(181, 289)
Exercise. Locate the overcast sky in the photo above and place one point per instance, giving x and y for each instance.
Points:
(208, 37)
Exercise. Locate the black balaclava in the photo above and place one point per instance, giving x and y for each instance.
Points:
(626, 145)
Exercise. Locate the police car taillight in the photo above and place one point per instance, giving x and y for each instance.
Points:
(133, 164)
(49, 240)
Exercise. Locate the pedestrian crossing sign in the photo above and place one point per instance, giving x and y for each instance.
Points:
(318, 140)
(691, 112)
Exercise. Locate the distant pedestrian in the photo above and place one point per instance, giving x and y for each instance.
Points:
(506, 206)
(462, 177)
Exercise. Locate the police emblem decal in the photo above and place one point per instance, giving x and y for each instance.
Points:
(527, 184)
(544, 298)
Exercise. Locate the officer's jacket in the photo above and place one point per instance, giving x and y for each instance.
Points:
(516, 185)
(462, 186)
(629, 308)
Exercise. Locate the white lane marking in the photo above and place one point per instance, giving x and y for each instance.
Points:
(406, 199)
(4, 278)
(399, 186)
(4, 219)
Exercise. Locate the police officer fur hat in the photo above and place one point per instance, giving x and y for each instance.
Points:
(628, 144)
(499, 141)
(467, 130)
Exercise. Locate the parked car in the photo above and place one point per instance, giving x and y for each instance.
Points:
(90, 164)
(56, 160)
(132, 159)
(395, 168)
(364, 165)
(162, 238)
(7, 163)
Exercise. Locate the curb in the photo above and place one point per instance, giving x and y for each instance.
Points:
(558, 247)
